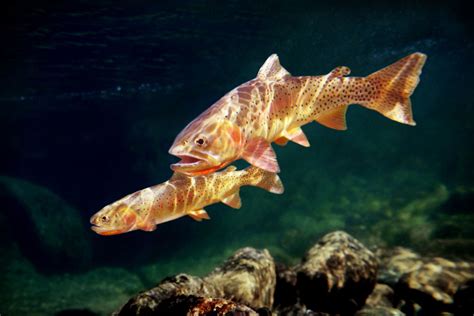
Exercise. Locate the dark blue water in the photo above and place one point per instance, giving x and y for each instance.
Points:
(92, 95)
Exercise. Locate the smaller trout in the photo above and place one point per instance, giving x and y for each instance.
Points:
(180, 196)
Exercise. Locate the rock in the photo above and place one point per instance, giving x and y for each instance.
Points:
(382, 295)
(298, 310)
(50, 232)
(285, 289)
(379, 311)
(380, 302)
(148, 302)
(337, 274)
(464, 299)
(248, 277)
(396, 262)
(196, 306)
(433, 284)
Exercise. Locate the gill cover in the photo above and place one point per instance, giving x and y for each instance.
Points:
(207, 146)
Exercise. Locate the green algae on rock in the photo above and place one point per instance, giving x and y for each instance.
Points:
(60, 238)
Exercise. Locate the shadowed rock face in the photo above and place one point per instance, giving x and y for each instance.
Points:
(285, 290)
(247, 277)
(337, 274)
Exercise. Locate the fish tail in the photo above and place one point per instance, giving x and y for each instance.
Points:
(391, 87)
(266, 180)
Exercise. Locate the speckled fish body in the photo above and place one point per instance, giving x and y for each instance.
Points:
(180, 196)
(273, 107)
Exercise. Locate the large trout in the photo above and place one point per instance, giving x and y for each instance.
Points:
(273, 107)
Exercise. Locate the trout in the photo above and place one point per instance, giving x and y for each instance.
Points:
(180, 196)
(273, 107)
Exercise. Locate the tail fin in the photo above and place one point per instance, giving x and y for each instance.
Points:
(266, 180)
(394, 85)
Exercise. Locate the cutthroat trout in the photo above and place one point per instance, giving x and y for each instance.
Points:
(273, 107)
(180, 196)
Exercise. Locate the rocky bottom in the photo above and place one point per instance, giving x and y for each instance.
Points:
(337, 276)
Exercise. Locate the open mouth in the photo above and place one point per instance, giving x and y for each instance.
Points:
(186, 162)
(106, 232)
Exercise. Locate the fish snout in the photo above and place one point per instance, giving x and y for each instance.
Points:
(93, 219)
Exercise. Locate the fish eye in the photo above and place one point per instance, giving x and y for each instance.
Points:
(200, 141)
(104, 218)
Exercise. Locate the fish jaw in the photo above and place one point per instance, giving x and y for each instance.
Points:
(196, 169)
(193, 164)
(107, 232)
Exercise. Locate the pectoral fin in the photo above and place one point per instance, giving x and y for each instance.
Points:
(335, 119)
(259, 153)
(233, 200)
(199, 215)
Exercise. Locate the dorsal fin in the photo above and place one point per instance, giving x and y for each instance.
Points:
(272, 69)
(335, 119)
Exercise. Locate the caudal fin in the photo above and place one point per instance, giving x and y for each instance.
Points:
(394, 85)
(266, 180)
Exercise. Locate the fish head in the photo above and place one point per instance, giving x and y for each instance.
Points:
(207, 146)
(117, 218)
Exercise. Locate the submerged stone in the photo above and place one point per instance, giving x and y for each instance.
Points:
(52, 234)
(382, 295)
(337, 274)
(433, 284)
(285, 289)
(201, 306)
(247, 277)
(148, 302)
(379, 311)
(396, 262)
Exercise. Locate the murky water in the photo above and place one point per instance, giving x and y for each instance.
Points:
(92, 96)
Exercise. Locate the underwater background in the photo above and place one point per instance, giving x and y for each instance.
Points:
(92, 94)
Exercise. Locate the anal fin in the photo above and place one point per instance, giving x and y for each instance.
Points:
(233, 200)
(335, 119)
(199, 215)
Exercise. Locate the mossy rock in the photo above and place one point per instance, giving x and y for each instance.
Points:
(48, 230)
